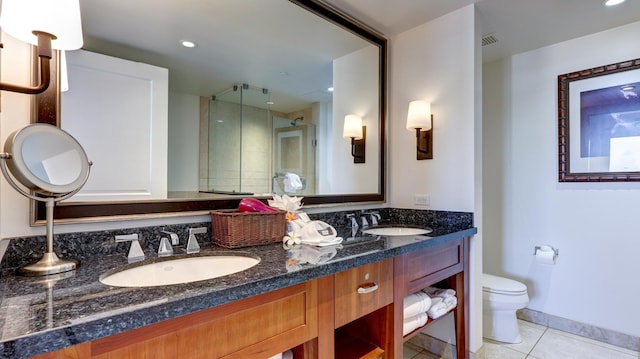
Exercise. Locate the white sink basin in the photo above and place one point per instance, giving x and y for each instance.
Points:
(179, 270)
(396, 231)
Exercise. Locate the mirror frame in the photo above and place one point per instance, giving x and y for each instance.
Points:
(46, 109)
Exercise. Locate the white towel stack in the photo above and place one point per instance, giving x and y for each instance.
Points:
(442, 301)
(415, 308)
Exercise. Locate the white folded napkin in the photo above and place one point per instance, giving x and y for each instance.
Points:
(318, 233)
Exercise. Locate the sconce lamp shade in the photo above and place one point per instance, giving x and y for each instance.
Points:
(60, 18)
(352, 127)
(419, 115)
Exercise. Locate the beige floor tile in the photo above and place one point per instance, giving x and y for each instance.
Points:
(410, 350)
(555, 344)
(530, 334)
(496, 351)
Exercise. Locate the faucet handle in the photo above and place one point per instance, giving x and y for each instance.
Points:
(192, 242)
(135, 251)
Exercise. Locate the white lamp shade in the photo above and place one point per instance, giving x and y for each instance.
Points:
(61, 18)
(352, 127)
(419, 115)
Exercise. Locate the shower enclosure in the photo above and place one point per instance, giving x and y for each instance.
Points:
(250, 149)
(239, 142)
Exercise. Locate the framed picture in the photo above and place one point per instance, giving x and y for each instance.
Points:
(599, 124)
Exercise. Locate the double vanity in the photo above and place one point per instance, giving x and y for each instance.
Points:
(343, 302)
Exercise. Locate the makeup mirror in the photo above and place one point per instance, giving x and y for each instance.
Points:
(53, 166)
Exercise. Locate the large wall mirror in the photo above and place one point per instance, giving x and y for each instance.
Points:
(256, 107)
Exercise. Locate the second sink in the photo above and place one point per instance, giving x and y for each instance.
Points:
(179, 270)
(396, 231)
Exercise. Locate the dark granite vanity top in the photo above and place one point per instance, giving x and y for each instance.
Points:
(41, 315)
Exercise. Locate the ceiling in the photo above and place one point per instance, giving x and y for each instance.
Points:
(148, 31)
(519, 25)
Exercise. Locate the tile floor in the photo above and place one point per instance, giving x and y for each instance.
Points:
(539, 342)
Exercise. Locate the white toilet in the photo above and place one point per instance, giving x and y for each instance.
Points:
(501, 297)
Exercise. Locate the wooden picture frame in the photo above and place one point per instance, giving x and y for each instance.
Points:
(599, 124)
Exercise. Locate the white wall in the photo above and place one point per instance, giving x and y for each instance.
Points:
(437, 62)
(593, 225)
(184, 126)
(354, 87)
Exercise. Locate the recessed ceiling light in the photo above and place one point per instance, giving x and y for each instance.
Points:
(612, 2)
(187, 43)
(330, 89)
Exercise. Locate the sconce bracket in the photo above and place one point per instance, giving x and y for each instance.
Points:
(424, 148)
(358, 147)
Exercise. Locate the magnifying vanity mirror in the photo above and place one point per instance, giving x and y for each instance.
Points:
(53, 166)
(269, 63)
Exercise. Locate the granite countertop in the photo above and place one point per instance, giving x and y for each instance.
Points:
(44, 314)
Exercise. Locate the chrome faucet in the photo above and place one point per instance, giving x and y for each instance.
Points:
(365, 224)
(135, 251)
(175, 240)
(192, 242)
(165, 249)
(375, 217)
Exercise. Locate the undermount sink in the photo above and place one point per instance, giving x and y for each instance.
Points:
(178, 270)
(396, 231)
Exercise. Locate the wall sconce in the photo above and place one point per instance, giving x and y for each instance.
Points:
(47, 24)
(354, 130)
(420, 119)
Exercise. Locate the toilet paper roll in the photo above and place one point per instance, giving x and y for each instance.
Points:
(546, 255)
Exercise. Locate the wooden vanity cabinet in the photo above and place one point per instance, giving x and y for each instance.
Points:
(336, 316)
(257, 327)
(446, 264)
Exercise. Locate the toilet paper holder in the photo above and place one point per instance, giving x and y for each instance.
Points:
(545, 248)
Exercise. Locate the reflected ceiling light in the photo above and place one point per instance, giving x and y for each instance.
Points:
(612, 2)
(187, 43)
(330, 89)
(47, 24)
(354, 130)
(420, 119)
(270, 102)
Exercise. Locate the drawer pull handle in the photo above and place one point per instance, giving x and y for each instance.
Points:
(368, 288)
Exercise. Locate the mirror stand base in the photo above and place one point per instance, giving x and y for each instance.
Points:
(49, 264)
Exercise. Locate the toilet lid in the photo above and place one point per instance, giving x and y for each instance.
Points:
(501, 285)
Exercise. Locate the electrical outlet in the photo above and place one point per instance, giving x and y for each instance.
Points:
(421, 200)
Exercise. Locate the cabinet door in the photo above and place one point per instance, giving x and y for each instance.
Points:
(362, 290)
(252, 328)
(128, 101)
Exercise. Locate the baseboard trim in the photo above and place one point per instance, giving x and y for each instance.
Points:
(584, 330)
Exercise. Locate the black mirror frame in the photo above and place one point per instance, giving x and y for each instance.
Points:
(46, 110)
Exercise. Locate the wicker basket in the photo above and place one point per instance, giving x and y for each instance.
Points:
(234, 229)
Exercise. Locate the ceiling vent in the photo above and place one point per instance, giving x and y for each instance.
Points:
(489, 39)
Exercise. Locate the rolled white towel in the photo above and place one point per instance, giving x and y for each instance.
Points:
(440, 307)
(412, 323)
(439, 292)
(416, 303)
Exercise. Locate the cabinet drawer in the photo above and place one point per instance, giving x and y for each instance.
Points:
(362, 290)
(431, 265)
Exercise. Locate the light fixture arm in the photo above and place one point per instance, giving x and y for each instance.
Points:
(44, 56)
(353, 148)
